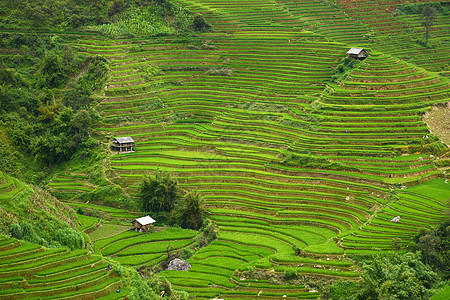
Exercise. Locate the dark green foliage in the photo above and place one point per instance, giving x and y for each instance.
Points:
(390, 277)
(146, 18)
(206, 234)
(298, 251)
(52, 71)
(141, 291)
(396, 244)
(189, 212)
(417, 8)
(116, 7)
(54, 14)
(200, 23)
(150, 285)
(112, 17)
(290, 274)
(16, 231)
(91, 79)
(187, 253)
(435, 247)
(428, 15)
(33, 232)
(158, 193)
(41, 120)
(344, 290)
(344, 68)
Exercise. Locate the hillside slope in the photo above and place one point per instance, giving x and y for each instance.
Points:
(33, 214)
(295, 148)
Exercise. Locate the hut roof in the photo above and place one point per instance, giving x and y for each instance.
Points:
(355, 50)
(125, 139)
(144, 220)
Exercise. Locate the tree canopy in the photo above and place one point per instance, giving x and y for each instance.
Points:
(158, 193)
(390, 277)
(190, 211)
(428, 15)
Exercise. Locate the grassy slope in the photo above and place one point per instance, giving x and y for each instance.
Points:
(21, 202)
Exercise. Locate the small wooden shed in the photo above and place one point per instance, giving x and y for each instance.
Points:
(143, 224)
(123, 144)
(357, 53)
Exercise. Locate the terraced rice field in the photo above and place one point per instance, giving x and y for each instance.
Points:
(29, 271)
(396, 30)
(132, 248)
(221, 111)
(71, 183)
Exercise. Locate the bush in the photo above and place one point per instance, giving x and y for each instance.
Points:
(16, 231)
(69, 238)
(290, 274)
(200, 23)
(187, 253)
(344, 290)
(206, 235)
(297, 250)
(61, 237)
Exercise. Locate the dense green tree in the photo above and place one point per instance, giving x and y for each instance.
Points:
(344, 290)
(428, 15)
(428, 244)
(158, 193)
(393, 276)
(435, 246)
(190, 211)
(42, 120)
(116, 7)
(81, 122)
(52, 71)
(200, 23)
(397, 277)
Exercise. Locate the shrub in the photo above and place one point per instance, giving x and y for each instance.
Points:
(343, 290)
(290, 274)
(116, 7)
(180, 295)
(187, 253)
(69, 238)
(16, 231)
(200, 23)
(297, 250)
(206, 235)
(34, 232)
(159, 283)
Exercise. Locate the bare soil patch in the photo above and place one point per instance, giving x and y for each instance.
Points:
(438, 120)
